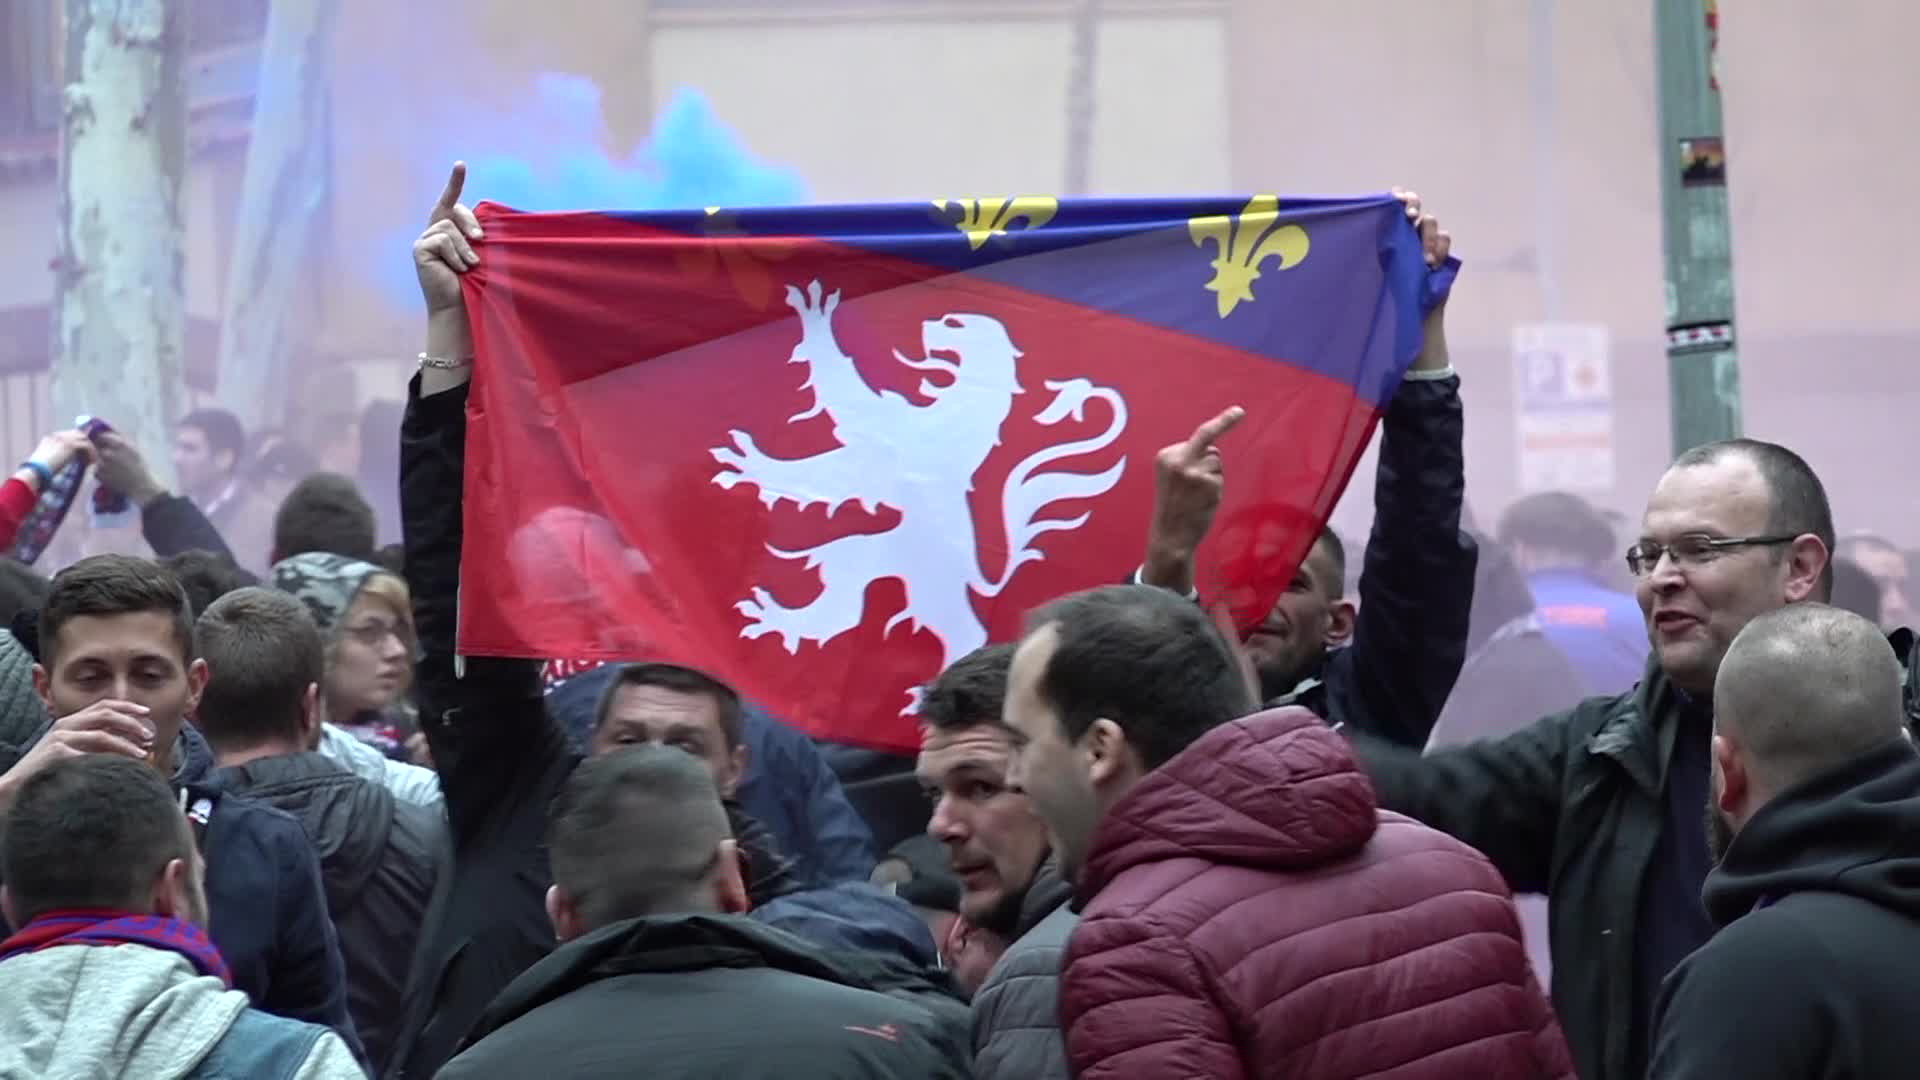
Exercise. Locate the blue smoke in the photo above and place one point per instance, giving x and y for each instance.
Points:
(550, 155)
(691, 160)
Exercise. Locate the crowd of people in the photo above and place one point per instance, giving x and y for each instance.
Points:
(258, 819)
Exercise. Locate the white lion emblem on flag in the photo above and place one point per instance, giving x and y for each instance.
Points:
(919, 460)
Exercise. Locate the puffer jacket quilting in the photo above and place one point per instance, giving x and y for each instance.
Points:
(1253, 913)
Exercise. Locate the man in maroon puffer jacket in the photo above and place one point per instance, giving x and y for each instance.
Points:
(1247, 909)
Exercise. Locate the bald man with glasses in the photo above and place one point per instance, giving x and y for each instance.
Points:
(1601, 807)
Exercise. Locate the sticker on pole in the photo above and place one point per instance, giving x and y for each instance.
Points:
(1703, 162)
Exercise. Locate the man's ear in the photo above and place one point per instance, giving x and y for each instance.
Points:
(197, 676)
(1806, 564)
(310, 717)
(1733, 776)
(173, 891)
(1340, 618)
(564, 912)
(1109, 756)
(737, 761)
(43, 685)
(729, 887)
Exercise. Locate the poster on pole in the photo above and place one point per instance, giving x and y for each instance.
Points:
(1564, 414)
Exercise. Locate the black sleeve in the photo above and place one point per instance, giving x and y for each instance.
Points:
(173, 524)
(494, 745)
(1416, 589)
(1751, 1004)
(1502, 796)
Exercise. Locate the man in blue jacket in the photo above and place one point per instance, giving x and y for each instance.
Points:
(1560, 542)
(784, 784)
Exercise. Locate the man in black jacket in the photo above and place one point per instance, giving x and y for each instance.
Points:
(1816, 822)
(659, 974)
(1599, 807)
(378, 856)
(500, 756)
(1387, 668)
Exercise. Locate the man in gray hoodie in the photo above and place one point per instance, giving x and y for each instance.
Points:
(111, 973)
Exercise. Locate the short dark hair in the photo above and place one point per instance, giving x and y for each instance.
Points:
(1144, 658)
(222, 429)
(21, 589)
(684, 680)
(1798, 498)
(972, 691)
(207, 577)
(634, 833)
(106, 585)
(91, 831)
(262, 650)
(1558, 521)
(324, 513)
(1336, 550)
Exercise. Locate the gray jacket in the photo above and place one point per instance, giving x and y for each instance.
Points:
(1016, 1013)
(137, 1013)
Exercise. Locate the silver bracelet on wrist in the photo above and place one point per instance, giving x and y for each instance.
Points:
(443, 363)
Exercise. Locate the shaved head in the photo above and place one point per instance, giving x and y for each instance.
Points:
(1804, 689)
(638, 832)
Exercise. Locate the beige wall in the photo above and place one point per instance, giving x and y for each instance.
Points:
(913, 108)
(1439, 97)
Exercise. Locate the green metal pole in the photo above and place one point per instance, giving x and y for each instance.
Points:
(1703, 370)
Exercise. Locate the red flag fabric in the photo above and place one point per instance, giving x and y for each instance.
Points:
(821, 452)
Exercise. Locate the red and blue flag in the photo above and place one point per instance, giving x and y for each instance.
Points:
(821, 452)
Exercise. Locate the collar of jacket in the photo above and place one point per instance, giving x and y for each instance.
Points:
(666, 944)
(1639, 729)
(1047, 892)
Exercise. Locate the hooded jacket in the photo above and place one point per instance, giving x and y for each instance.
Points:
(1252, 913)
(1812, 973)
(719, 996)
(104, 1012)
(1574, 806)
(378, 861)
(1016, 1013)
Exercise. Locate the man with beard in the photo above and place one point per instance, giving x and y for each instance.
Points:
(1815, 825)
(1011, 889)
(1386, 668)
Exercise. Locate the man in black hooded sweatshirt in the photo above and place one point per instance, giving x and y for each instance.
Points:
(1815, 822)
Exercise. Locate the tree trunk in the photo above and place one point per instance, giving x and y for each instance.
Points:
(1083, 64)
(120, 300)
(282, 202)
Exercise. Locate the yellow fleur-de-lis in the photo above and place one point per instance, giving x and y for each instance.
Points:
(984, 219)
(746, 270)
(1247, 240)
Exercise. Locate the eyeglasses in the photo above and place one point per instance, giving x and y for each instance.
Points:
(1692, 550)
(377, 633)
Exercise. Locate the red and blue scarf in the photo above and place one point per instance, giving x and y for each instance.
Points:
(119, 928)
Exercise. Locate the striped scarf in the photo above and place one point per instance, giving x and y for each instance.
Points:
(84, 927)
